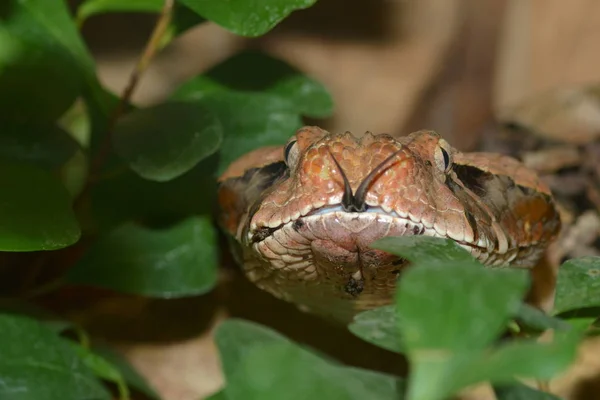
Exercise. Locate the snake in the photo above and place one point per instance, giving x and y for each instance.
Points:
(301, 217)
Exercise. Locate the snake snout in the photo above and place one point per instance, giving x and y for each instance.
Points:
(356, 202)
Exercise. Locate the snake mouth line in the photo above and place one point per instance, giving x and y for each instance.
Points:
(413, 228)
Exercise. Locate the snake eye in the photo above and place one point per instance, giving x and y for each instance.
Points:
(290, 154)
(443, 160)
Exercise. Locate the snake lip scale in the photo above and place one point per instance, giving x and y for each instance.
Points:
(301, 218)
(417, 229)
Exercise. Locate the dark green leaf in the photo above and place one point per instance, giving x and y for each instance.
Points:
(44, 145)
(247, 18)
(255, 71)
(174, 262)
(250, 120)
(43, 60)
(249, 352)
(534, 318)
(101, 105)
(133, 379)
(94, 7)
(378, 326)
(123, 196)
(102, 368)
(426, 250)
(519, 391)
(35, 210)
(163, 142)
(39, 365)
(183, 17)
(578, 285)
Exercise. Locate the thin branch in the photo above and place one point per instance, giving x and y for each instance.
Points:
(152, 47)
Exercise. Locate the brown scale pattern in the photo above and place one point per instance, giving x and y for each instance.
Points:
(489, 203)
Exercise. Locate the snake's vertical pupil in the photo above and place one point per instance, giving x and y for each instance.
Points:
(287, 151)
(446, 158)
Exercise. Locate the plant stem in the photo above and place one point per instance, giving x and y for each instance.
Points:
(150, 50)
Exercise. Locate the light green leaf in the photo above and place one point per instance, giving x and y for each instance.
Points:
(378, 326)
(174, 262)
(249, 352)
(449, 317)
(426, 250)
(526, 358)
(163, 142)
(476, 305)
(255, 71)
(35, 210)
(578, 285)
(39, 365)
(519, 391)
(247, 18)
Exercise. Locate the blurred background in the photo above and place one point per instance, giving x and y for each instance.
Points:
(391, 66)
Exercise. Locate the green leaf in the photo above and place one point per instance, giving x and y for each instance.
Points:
(526, 358)
(250, 120)
(476, 302)
(426, 250)
(35, 210)
(102, 368)
(43, 61)
(124, 196)
(220, 395)
(183, 17)
(166, 263)
(519, 391)
(133, 379)
(536, 319)
(578, 285)
(94, 7)
(247, 18)
(378, 326)
(255, 71)
(44, 145)
(449, 316)
(163, 142)
(249, 352)
(36, 364)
